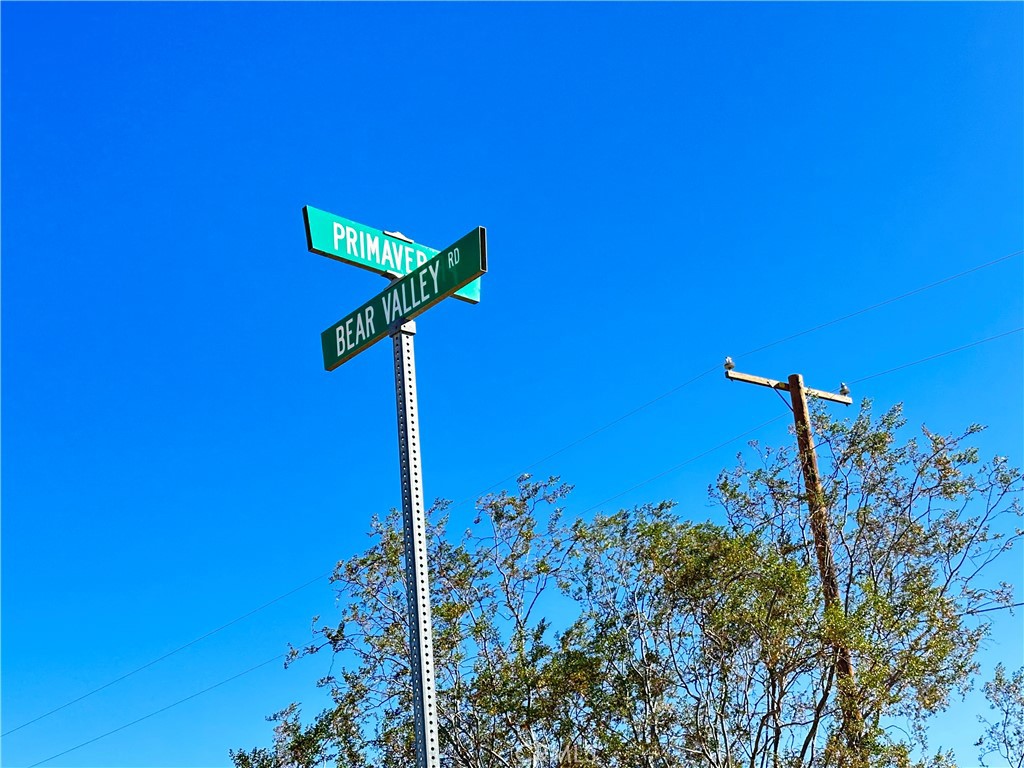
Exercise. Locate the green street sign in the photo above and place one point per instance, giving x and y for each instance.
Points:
(441, 276)
(348, 241)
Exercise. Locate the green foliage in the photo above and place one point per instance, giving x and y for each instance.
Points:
(1005, 736)
(913, 530)
(640, 639)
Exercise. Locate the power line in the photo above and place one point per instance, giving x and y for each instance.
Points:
(940, 354)
(682, 464)
(157, 712)
(279, 656)
(589, 435)
(632, 488)
(886, 302)
(169, 653)
(754, 351)
(580, 440)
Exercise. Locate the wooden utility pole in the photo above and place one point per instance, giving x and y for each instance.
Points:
(853, 723)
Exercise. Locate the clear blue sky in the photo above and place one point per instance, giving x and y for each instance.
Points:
(662, 184)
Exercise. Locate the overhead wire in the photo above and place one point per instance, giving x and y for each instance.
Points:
(589, 435)
(682, 464)
(886, 302)
(279, 656)
(169, 653)
(559, 451)
(158, 711)
(748, 353)
(632, 488)
(937, 356)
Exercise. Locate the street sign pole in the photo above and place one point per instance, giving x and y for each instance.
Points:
(439, 274)
(417, 581)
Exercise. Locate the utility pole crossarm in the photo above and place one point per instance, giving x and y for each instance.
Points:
(761, 380)
(773, 384)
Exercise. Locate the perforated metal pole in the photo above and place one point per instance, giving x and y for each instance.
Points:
(417, 580)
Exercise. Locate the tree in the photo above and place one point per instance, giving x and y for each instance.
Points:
(491, 648)
(915, 527)
(692, 634)
(1005, 737)
(641, 639)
